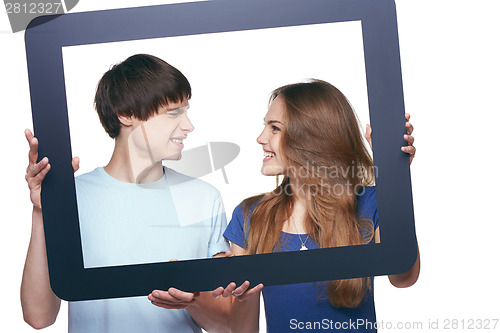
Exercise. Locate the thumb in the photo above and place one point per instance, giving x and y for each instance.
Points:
(368, 132)
(75, 162)
(368, 135)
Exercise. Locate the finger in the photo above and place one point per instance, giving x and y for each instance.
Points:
(410, 139)
(254, 291)
(407, 116)
(368, 132)
(166, 297)
(229, 290)
(169, 306)
(161, 296)
(38, 179)
(182, 295)
(241, 289)
(75, 163)
(36, 168)
(409, 128)
(223, 254)
(28, 134)
(33, 152)
(410, 150)
(368, 135)
(226, 254)
(35, 177)
(217, 292)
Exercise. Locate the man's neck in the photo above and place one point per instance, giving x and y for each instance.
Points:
(130, 166)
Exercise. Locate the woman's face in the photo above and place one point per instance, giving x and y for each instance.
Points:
(270, 139)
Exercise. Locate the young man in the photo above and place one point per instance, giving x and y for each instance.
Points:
(134, 210)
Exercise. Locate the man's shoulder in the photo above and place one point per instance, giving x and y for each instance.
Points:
(94, 176)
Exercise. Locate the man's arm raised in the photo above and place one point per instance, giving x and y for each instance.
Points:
(39, 304)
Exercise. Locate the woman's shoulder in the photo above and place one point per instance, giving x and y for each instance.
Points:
(367, 193)
(367, 202)
(248, 205)
(236, 230)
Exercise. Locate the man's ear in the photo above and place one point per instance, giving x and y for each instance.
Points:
(126, 120)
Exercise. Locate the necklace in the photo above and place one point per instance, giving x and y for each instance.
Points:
(303, 247)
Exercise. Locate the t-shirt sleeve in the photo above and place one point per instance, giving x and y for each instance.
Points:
(235, 231)
(217, 242)
(367, 205)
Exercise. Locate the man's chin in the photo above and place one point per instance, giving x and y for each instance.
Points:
(174, 157)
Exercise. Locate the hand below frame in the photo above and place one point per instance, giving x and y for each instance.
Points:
(172, 298)
(177, 299)
(242, 293)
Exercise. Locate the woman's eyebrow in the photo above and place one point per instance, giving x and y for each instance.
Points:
(272, 122)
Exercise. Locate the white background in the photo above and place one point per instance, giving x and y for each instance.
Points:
(449, 54)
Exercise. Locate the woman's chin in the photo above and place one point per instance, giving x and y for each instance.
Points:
(271, 171)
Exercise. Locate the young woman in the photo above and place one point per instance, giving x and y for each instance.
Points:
(327, 198)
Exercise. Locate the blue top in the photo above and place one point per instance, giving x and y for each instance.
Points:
(305, 306)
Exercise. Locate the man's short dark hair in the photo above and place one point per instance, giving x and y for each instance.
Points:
(137, 87)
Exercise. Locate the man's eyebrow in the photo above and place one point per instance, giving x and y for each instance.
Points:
(180, 108)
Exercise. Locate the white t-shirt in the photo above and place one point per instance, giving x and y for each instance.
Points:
(177, 217)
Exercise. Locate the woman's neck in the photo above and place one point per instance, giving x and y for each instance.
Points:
(297, 221)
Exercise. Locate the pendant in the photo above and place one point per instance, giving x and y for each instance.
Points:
(303, 248)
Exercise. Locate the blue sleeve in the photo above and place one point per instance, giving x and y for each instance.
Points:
(367, 205)
(235, 231)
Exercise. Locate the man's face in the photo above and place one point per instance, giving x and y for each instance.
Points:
(161, 136)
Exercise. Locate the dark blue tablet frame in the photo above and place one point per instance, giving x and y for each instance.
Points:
(71, 281)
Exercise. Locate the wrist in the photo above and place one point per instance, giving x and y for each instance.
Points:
(193, 308)
(200, 301)
(36, 216)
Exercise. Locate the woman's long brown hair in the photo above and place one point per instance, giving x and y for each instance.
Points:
(323, 148)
